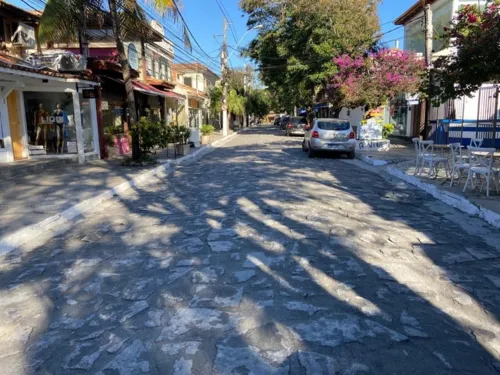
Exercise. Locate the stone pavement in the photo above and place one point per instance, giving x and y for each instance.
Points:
(258, 260)
(31, 198)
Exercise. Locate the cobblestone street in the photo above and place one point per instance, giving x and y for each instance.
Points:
(258, 260)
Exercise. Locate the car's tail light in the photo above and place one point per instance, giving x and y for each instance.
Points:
(352, 135)
(315, 134)
(290, 126)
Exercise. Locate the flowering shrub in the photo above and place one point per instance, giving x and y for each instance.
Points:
(379, 77)
(474, 39)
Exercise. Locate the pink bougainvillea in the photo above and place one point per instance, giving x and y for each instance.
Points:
(374, 79)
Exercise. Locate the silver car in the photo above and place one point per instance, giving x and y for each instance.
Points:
(329, 135)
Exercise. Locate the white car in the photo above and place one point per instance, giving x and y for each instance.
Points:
(330, 135)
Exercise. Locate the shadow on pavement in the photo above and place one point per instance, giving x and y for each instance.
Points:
(255, 260)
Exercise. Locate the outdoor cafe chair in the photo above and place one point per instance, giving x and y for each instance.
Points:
(476, 142)
(481, 164)
(457, 162)
(426, 155)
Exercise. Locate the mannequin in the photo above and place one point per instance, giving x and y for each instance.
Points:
(40, 123)
(61, 121)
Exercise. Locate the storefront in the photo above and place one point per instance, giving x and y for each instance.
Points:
(397, 114)
(46, 115)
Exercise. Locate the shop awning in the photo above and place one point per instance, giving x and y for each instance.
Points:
(175, 96)
(146, 89)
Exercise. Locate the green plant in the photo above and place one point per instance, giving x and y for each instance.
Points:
(181, 134)
(387, 130)
(152, 134)
(207, 129)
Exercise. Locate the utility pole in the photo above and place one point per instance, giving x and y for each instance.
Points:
(428, 58)
(223, 58)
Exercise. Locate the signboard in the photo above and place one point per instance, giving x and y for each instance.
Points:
(373, 145)
(104, 105)
(370, 130)
(133, 57)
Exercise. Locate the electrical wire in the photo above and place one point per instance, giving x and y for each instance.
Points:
(180, 49)
(226, 15)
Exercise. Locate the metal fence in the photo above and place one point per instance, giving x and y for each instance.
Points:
(454, 121)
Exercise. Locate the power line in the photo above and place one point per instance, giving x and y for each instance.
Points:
(180, 49)
(226, 15)
(188, 29)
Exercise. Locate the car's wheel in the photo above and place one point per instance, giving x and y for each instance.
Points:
(310, 152)
(304, 148)
(351, 155)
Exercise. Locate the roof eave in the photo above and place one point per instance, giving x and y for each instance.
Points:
(411, 12)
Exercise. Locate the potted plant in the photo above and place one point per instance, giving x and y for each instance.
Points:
(207, 132)
(182, 134)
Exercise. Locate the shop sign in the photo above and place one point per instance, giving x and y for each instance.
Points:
(104, 105)
(133, 57)
(88, 94)
(52, 120)
(370, 130)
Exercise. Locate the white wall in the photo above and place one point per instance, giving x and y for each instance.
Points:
(353, 115)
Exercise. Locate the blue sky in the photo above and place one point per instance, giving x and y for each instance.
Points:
(205, 20)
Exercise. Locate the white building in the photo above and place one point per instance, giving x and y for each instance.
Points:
(195, 81)
(468, 116)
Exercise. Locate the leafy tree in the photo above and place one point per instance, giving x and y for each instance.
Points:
(373, 80)
(295, 46)
(258, 103)
(474, 39)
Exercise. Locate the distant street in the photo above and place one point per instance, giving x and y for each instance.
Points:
(258, 260)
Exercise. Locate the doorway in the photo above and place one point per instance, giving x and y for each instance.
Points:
(16, 133)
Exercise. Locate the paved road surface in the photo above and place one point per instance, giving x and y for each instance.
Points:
(258, 260)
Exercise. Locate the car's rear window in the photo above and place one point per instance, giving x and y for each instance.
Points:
(333, 125)
(298, 120)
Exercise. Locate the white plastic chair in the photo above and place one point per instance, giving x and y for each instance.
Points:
(457, 162)
(418, 161)
(476, 142)
(481, 164)
(427, 156)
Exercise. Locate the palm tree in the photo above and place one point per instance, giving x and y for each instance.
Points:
(63, 20)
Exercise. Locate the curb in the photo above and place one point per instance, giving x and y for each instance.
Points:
(22, 236)
(372, 161)
(451, 199)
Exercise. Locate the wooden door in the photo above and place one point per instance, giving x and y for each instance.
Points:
(15, 125)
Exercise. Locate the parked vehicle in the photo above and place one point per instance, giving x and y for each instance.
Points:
(296, 126)
(329, 135)
(277, 121)
(284, 122)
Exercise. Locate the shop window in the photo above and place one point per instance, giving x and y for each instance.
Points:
(88, 131)
(50, 123)
(149, 65)
(157, 68)
(2, 144)
(163, 72)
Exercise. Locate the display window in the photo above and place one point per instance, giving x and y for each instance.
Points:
(2, 144)
(50, 122)
(88, 131)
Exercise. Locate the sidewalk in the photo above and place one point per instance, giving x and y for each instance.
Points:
(28, 200)
(399, 162)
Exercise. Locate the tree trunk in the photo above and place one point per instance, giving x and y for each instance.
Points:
(129, 88)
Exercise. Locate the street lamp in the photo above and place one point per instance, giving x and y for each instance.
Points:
(224, 58)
